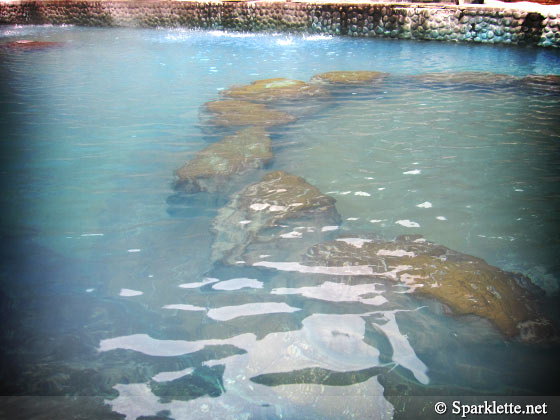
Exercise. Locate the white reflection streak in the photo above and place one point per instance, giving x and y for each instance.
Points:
(395, 253)
(355, 270)
(130, 292)
(349, 270)
(171, 376)
(238, 283)
(227, 313)
(403, 353)
(336, 292)
(407, 223)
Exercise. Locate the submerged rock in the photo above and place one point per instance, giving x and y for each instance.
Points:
(247, 149)
(279, 89)
(28, 44)
(466, 284)
(349, 77)
(233, 112)
(547, 83)
(466, 78)
(278, 198)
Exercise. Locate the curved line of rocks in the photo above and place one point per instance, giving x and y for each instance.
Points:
(468, 285)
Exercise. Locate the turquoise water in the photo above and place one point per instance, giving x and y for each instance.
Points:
(96, 242)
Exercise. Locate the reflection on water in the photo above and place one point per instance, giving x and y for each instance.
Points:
(403, 354)
(325, 342)
(278, 290)
(336, 292)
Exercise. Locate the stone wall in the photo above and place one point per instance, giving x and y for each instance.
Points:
(461, 23)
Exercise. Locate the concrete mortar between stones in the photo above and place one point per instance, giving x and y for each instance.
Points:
(420, 21)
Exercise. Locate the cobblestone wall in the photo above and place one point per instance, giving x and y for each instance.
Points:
(464, 23)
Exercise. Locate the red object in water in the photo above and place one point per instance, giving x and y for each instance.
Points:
(29, 44)
(546, 2)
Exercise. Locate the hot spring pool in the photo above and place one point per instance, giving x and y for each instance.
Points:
(113, 303)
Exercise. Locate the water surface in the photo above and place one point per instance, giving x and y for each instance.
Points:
(108, 288)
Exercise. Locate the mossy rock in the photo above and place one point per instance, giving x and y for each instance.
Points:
(233, 113)
(279, 89)
(349, 77)
(279, 197)
(249, 148)
(466, 284)
(478, 78)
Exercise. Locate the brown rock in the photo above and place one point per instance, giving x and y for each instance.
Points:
(349, 77)
(280, 89)
(468, 285)
(247, 149)
(233, 112)
(278, 198)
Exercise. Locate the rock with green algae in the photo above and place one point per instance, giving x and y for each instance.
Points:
(360, 77)
(233, 112)
(274, 90)
(466, 284)
(249, 148)
(478, 78)
(278, 198)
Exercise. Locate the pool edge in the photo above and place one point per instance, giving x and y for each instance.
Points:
(487, 24)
